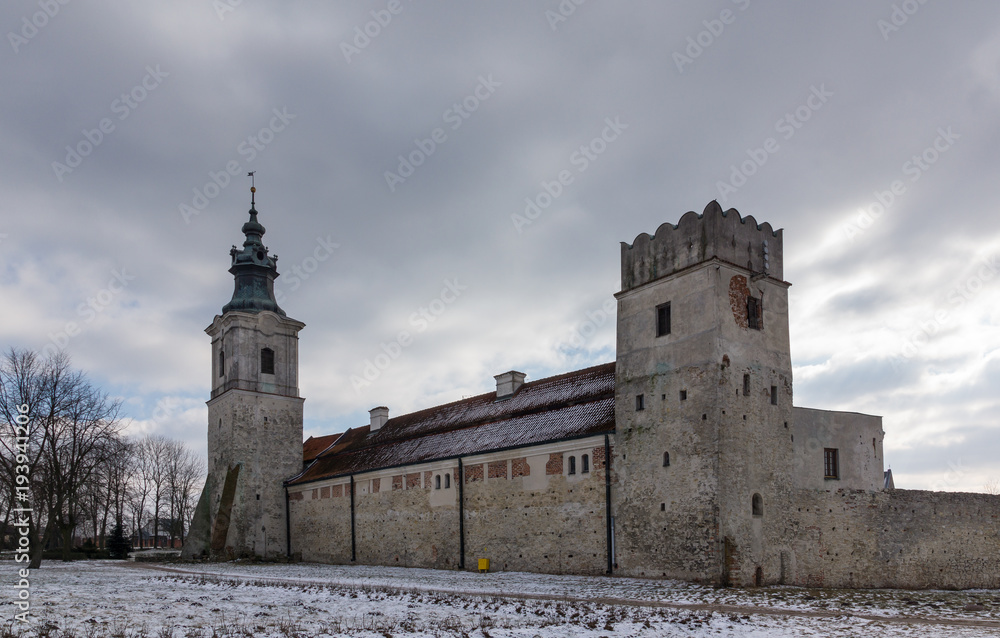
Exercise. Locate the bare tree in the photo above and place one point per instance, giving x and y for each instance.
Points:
(153, 451)
(992, 486)
(184, 472)
(87, 420)
(119, 466)
(57, 446)
(105, 493)
(22, 405)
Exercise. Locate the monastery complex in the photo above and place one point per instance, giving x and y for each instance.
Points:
(684, 458)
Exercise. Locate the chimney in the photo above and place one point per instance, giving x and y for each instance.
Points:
(508, 383)
(379, 416)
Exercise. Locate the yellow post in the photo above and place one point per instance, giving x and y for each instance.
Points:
(484, 565)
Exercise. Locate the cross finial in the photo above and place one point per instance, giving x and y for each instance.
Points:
(253, 189)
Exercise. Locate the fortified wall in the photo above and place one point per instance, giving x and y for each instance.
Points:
(908, 539)
(523, 511)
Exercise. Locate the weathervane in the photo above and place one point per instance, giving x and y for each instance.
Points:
(253, 189)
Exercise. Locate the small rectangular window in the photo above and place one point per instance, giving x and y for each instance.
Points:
(831, 463)
(754, 320)
(640, 402)
(585, 464)
(663, 319)
(746, 385)
(774, 395)
(684, 395)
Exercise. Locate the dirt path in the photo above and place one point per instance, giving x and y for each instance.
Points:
(722, 609)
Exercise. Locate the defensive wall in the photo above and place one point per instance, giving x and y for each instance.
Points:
(522, 509)
(909, 539)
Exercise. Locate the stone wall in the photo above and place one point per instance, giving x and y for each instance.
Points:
(856, 437)
(725, 235)
(321, 525)
(896, 538)
(523, 511)
(257, 432)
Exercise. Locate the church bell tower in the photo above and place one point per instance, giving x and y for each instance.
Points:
(254, 413)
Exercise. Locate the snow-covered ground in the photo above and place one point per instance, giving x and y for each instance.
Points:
(131, 600)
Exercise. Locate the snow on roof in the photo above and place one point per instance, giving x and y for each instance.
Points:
(567, 406)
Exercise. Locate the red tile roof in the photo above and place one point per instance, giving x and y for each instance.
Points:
(316, 444)
(572, 405)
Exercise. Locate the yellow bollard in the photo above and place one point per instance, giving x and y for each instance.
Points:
(484, 565)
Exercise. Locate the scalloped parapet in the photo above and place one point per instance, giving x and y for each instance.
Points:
(715, 233)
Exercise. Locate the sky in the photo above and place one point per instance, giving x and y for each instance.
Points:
(465, 172)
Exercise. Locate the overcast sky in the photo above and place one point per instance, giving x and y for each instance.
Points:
(397, 142)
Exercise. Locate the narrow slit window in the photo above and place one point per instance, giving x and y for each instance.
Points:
(437, 482)
(267, 361)
(585, 464)
(746, 385)
(663, 319)
(774, 395)
(222, 363)
(666, 459)
(757, 505)
(831, 463)
(640, 402)
(754, 319)
(572, 465)
(684, 395)
(447, 481)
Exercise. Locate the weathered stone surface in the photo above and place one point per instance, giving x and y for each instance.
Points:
(532, 522)
(255, 423)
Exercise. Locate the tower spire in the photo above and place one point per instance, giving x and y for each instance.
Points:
(253, 269)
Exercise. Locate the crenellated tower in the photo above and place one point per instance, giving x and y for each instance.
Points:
(703, 401)
(254, 414)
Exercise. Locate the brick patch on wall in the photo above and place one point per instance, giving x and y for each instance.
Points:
(296, 496)
(555, 464)
(598, 456)
(324, 492)
(519, 467)
(413, 480)
(738, 293)
(498, 469)
(376, 484)
(473, 473)
(397, 482)
(338, 491)
(427, 479)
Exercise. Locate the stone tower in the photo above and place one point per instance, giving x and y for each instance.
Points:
(703, 402)
(254, 414)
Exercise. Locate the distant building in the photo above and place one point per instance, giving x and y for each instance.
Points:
(684, 458)
(163, 535)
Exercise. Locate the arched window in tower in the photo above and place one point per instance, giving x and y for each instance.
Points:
(666, 459)
(585, 464)
(757, 505)
(222, 362)
(267, 361)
